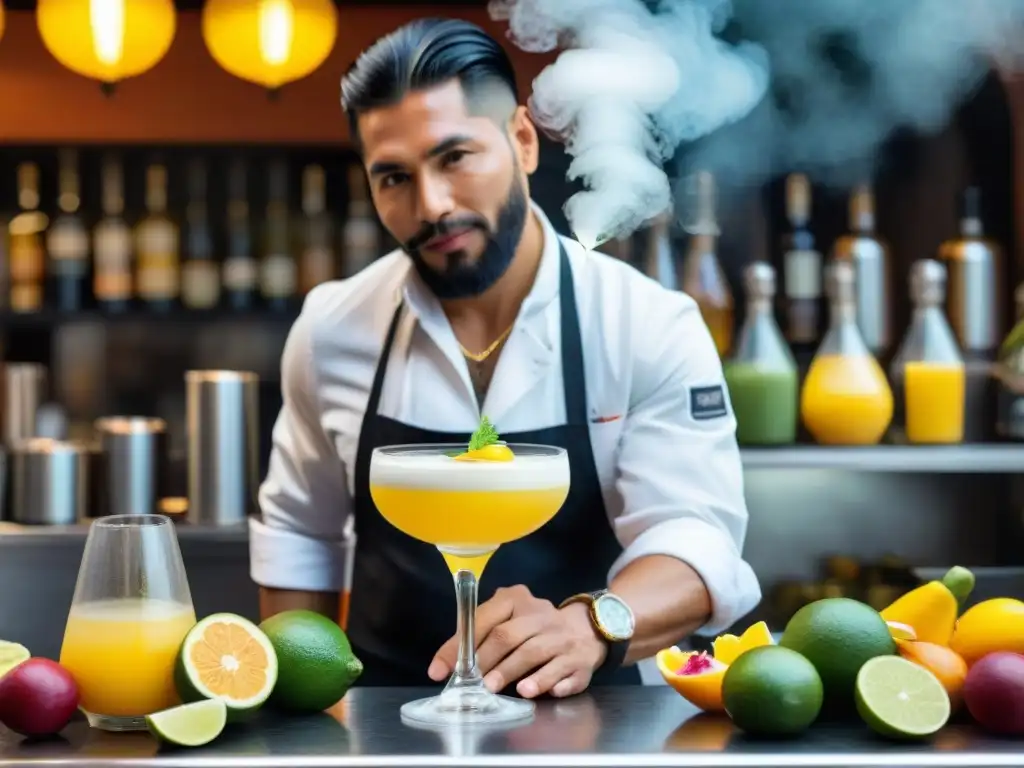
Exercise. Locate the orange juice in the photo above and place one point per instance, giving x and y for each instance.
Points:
(846, 400)
(122, 654)
(467, 509)
(935, 402)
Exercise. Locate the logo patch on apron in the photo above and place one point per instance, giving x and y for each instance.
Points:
(708, 402)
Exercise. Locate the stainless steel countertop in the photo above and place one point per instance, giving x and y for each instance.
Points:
(630, 726)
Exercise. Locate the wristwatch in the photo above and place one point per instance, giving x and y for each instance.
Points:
(613, 621)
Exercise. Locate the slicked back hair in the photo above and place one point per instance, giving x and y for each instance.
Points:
(423, 54)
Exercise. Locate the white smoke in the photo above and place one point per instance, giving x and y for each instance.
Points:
(636, 80)
(632, 86)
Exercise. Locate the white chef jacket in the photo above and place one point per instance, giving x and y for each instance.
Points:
(666, 456)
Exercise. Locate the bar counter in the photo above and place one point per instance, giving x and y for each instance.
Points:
(628, 727)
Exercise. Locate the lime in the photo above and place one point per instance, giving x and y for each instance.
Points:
(899, 698)
(837, 635)
(226, 657)
(11, 655)
(772, 691)
(316, 666)
(190, 725)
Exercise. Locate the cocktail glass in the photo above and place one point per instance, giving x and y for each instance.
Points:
(131, 610)
(467, 509)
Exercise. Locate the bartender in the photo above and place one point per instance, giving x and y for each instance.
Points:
(486, 310)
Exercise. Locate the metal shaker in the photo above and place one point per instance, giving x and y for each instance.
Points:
(222, 424)
(24, 391)
(130, 465)
(49, 482)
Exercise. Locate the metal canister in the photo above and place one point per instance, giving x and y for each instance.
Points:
(24, 391)
(131, 465)
(222, 418)
(49, 482)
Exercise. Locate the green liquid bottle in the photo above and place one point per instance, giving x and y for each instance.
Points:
(762, 374)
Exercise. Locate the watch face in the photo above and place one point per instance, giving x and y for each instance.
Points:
(615, 617)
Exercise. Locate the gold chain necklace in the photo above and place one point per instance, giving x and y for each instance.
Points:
(479, 357)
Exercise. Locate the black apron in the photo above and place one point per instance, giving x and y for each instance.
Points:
(402, 607)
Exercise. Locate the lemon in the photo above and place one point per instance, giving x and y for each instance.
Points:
(727, 648)
(991, 625)
(11, 655)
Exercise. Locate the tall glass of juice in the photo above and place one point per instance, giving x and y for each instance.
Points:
(131, 610)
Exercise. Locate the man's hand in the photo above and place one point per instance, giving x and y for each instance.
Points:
(521, 637)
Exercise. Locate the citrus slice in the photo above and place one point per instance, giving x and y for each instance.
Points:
(493, 452)
(899, 698)
(900, 631)
(11, 655)
(227, 657)
(190, 725)
(697, 677)
(729, 647)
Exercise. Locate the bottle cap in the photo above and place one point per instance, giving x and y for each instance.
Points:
(927, 282)
(759, 280)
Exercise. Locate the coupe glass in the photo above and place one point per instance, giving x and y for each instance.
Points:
(467, 509)
(131, 610)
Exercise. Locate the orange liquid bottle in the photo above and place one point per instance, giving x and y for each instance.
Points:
(846, 399)
(928, 371)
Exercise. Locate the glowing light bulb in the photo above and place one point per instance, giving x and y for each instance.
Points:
(277, 27)
(106, 22)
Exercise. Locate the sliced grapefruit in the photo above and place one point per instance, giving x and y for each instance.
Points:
(697, 677)
(227, 657)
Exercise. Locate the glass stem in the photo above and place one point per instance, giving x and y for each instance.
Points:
(466, 671)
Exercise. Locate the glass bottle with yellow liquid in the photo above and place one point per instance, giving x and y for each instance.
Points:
(928, 372)
(702, 276)
(762, 374)
(846, 399)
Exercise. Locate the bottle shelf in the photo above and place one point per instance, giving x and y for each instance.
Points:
(976, 458)
(48, 319)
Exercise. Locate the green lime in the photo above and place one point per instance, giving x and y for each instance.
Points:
(316, 665)
(11, 655)
(899, 698)
(837, 635)
(190, 725)
(960, 582)
(772, 691)
(227, 657)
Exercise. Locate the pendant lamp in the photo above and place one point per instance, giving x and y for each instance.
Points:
(107, 40)
(270, 42)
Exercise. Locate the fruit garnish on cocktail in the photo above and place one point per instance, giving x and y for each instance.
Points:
(484, 445)
(468, 500)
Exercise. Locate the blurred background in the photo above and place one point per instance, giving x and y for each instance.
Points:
(841, 197)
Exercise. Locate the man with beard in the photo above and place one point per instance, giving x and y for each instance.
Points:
(485, 310)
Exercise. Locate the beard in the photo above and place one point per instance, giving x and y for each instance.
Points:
(462, 277)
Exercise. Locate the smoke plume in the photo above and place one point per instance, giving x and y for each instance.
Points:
(749, 88)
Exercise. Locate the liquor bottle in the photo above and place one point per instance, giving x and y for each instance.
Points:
(112, 243)
(802, 303)
(846, 399)
(157, 242)
(702, 275)
(27, 230)
(278, 279)
(974, 307)
(762, 374)
(361, 241)
(240, 270)
(317, 262)
(200, 276)
(67, 240)
(869, 256)
(928, 373)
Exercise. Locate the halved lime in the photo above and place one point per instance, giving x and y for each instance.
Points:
(898, 698)
(11, 655)
(190, 725)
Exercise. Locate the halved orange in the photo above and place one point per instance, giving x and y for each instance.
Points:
(226, 657)
(703, 690)
(729, 647)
